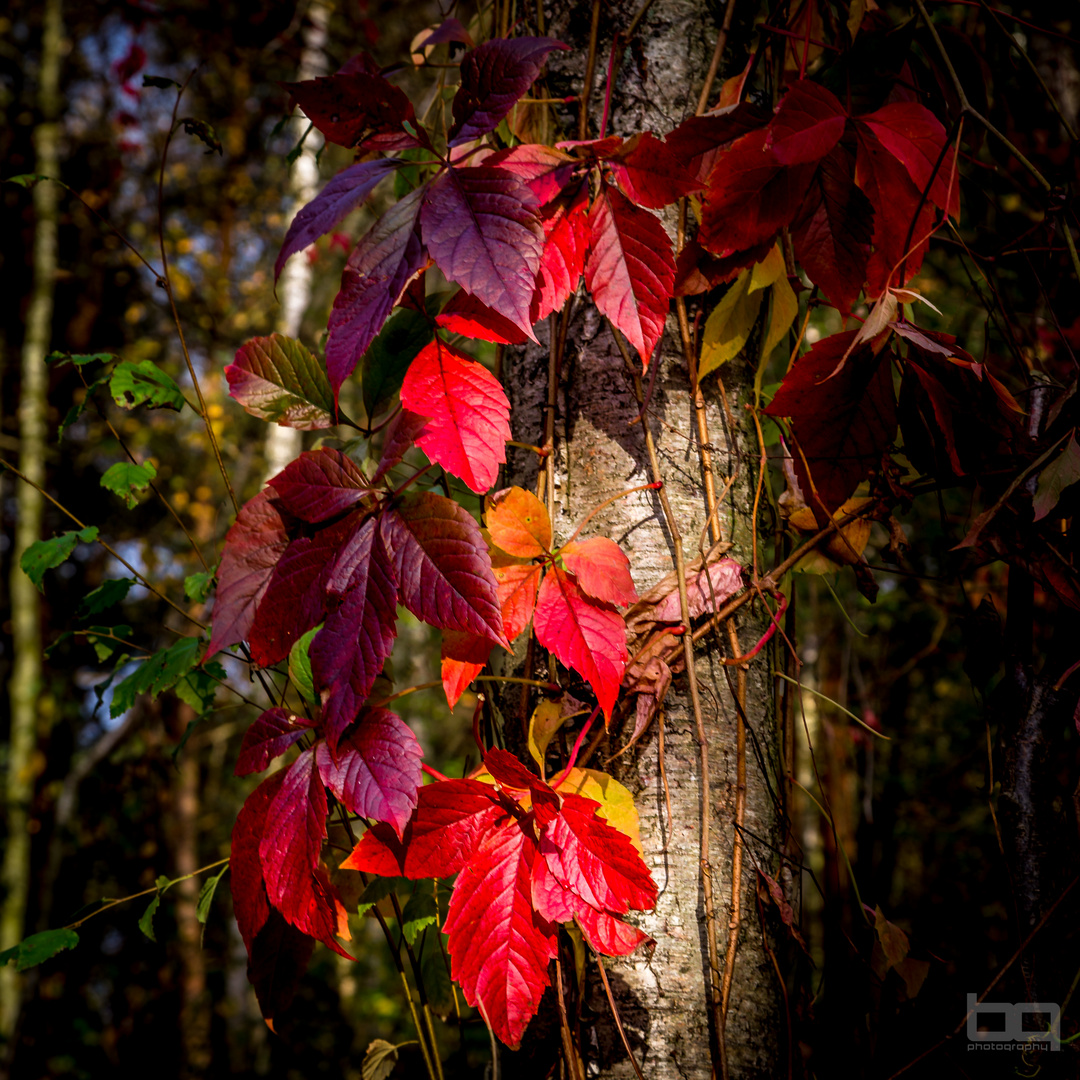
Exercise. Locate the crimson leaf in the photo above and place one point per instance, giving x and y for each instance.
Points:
(493, 76)
(320, 484)
(269, 737)
(807, 125)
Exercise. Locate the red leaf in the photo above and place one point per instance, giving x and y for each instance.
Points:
(376, 770)
(465, 315)
(510, 773)
(895, 200)
(349, 108)
(278, 958)
(649, 174)
(842, 423)
(295, 599)
(566, 241)
(915, 137)
(832, 236)
(518, 523)
(482, 229)
(349, 652)
(400, 439)
(601, 569)
(750, 196)
(250, 904)
(269, 737)
(598, 863)
(583, 634)
(807, 125)
(376, 274)
(442, 565)
(544, 169)
(289, 853)
(516, 586)
(468, 413)
(696, 271)
(320, 484)
(334, 203)
(493, 76)
(630, 269)
(452, 818)
(697, 140)
(706, 591)
(253, 547)
(499, 946)
(463, 658)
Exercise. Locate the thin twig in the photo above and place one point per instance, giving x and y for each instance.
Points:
(590, 73)
(718, 52)
(618, 1021)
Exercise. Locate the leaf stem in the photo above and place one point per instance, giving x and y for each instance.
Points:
(618, 1021)
(835, 704)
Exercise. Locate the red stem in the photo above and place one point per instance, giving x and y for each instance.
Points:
(577, 746)
(433, 773)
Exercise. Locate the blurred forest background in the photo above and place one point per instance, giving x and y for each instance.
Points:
(118, 802)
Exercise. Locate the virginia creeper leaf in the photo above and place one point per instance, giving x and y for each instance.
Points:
(463, 658)
(253, 546)
(566, 242)
(584, 634)
(1062, 472)
(807, 125)
(465, 315)
(249, 893)
(481, 226)
(278, 957)
(349, 652)
(388, 357)
(442, 565)
(468, 413)
(269, 737)
(648, 173)
(602, 570)
(375, 771)
(341, 195)
(381, 265)
(518, 523)
(630, 269)
(276, 378)
(544, 169)
(319, 484)
(516, 585)
(401, 437)
(493, 76)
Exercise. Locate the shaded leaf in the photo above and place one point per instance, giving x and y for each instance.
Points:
(1062, 472)
(320, 484)
(807, 125)
(648, 173)
(420, 912)
(105, 596)
(126, 479)
(206, 895)
(379, 1060)
(278, 957)
(45, 555)
(269, 737)
(37, 948)
(276, 378)
(383, 366)
(144, 383)
(198, 586)
(300, 667)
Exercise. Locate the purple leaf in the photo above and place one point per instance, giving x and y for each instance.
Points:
(376, 771)
(295, 599)
(339, 198)
(348, 653)
(442, 565)
(253, 547)
(320, 484)
(400, 439)
(290, 848)
(269, 737)
(493, 76)
(483, 230)
(385, 260)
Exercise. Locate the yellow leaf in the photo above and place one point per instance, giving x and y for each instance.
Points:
(785, 306)
(546, 719)
(838, 549)
(768, 271)
(616, 803)
(728, 327)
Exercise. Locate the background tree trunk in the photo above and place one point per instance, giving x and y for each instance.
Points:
(664, 999)
(25, 686)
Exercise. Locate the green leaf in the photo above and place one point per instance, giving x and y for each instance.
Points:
(103, 646)
(36, 948)
(420, 912)
(1062, 472)
(26, 180)
(199, 687)
(160, 672)
(379, 1060)
(379, 889)
(202, 131)
(383, 366)
(159, 82)
(80, 407)
(146, 920)
(277, 378)
(300, 667)
(144, 383)
(79, 359)
(108, 594)
(206, 895)
(125, 479)
(197, 586)
(48, 554)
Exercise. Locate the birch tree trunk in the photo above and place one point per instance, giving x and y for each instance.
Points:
(25, 685)
(284, 444)
(665, 1001)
